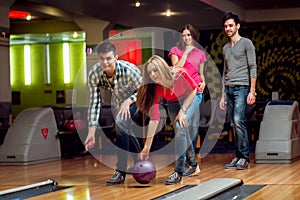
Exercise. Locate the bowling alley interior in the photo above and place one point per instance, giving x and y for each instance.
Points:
(47, 49)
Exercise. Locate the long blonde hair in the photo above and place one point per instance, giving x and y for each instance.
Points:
(146, 93)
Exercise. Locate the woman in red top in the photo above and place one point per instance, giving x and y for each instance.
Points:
(173, 85)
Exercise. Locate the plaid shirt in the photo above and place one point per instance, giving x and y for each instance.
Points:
(124, 85)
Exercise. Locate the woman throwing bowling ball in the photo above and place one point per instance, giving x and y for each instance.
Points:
(160, 81)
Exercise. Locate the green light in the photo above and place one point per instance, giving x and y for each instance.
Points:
(47, 65)
(66, 60)
(27, 65)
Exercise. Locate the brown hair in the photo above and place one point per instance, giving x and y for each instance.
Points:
(193, 32)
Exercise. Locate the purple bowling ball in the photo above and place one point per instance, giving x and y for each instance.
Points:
(144, 172)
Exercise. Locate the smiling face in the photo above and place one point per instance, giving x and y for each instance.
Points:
(187, 37)
(158, 71)
(108, 62)
(231, 28)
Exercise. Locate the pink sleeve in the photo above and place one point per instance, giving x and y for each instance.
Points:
(174, 51)
(154, 110)
(203, 57)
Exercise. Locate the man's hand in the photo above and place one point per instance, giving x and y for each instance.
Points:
(124, 112)
(251, 99)
(89, 142)
(222, 103)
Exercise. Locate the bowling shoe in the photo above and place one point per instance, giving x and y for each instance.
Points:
(242, 164)
(232, 164)
(191, 170)
(117, 178)
(174, 178)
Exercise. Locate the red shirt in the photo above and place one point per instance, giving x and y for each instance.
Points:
(183, 86)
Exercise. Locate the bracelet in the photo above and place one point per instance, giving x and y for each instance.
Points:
(254, 93)
(183, 109)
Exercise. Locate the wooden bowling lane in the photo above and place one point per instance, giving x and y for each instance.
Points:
(88, 176)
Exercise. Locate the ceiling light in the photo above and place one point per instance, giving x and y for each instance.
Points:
(28, 17)
(168, 13)
(137, 4)
(75, 35)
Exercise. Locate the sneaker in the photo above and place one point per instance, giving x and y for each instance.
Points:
(242, 164)
(232, 164)
(174, 178)
(117, 178)
(191, 170)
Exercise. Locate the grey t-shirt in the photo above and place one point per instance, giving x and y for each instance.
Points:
(239, 62)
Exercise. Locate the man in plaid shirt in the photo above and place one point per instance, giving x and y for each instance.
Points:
(114, 82)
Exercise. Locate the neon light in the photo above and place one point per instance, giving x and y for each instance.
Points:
(12, 67)
(27, 65)
(47, 65)
(84, 65)
(66, 60)
(18, 14)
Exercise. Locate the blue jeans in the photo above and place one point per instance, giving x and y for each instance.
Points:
(184, 137)
(126, 140)
(236, 98)
(194, 132)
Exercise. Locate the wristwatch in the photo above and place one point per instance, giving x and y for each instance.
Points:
(254, 93)
(183, 109)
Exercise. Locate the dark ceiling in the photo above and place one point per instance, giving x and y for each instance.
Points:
(200, 13)
(266, 4)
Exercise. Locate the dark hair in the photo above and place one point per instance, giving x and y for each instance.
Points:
(106, 47)
(233, 16)
(193, 34)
